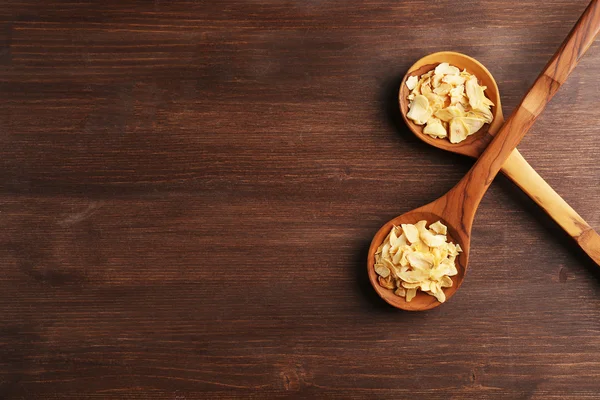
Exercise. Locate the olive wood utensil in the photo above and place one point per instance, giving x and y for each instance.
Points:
(457, 208)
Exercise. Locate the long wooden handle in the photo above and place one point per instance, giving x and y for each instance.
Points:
(473, 186)
(523, 174)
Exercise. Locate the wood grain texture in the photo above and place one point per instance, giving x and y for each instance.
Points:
(189, 190)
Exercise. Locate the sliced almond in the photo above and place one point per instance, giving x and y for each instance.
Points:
(438, 227)
(449, 113)
(458, 130)
(407, 285)
(419, 111)
(411, 232)
(421, 261)
(435, 128)
(473, 93)
(382, 271)
(426, 88)
(473, 124)
(454, 80)
(429, 238)
(484, 114)
(386, 283)
(446, 281)
(413, 276)
(411, 82)
(446, 69)
(436, 102)
(440, 295)
(443, 89)
(437, 80)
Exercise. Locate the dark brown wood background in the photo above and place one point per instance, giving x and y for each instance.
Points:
(188, 190)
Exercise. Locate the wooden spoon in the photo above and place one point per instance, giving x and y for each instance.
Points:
(515, 167)
(457, 208)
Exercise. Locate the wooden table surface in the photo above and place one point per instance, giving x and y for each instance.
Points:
(189, 188)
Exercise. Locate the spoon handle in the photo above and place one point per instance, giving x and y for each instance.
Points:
(520, 172)
(470, 190)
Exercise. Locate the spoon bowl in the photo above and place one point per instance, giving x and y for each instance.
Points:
(421, 301)
(474, 144)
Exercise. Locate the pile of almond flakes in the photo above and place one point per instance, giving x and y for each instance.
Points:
(450, 103)
(413, 257)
